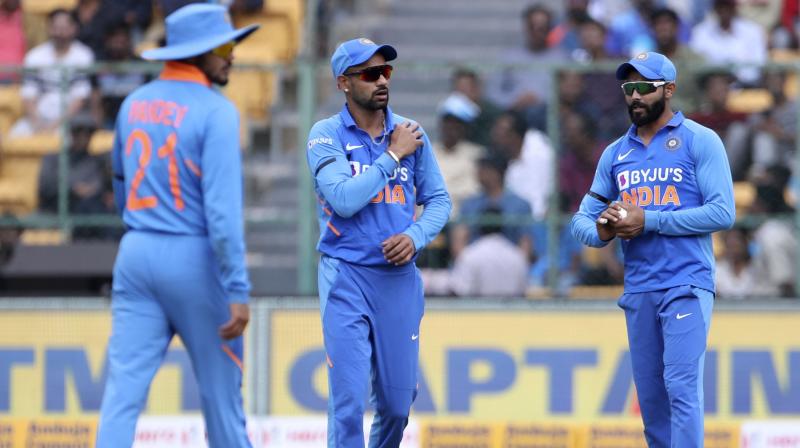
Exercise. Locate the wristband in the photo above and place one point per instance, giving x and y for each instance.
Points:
(393, 155)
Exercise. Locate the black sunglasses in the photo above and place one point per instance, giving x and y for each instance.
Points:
(643, 87)
(372, 74)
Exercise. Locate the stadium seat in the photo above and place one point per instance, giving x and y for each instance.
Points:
(252, 93)
(12, 198)
(101, 143)
(42, 237)
(293, 9)
(749, 100)
(10, 106)
(19, 177)
(33, 145)
(45, 6)
(274, 42)
(19, 171)
(743, 195)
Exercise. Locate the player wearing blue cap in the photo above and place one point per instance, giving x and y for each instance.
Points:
(371, 168)
(674, 182)
(180, 267)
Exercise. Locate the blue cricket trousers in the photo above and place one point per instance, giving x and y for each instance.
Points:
(667, 334)
(163, 285)
(370, 319)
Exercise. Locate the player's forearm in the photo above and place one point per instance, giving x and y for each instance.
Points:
(348, 194)
(710, 217)
(433, 219)
(584, 229)
(227, 241)
(583, 224)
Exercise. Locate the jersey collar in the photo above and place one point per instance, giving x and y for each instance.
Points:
(349, 122)
(178, 71)
(674, 122)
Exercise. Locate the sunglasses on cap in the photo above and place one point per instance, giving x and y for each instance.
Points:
(225, 50)
(643, 87)
(372, 74)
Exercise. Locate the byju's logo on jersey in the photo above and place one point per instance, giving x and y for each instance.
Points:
(623, 180)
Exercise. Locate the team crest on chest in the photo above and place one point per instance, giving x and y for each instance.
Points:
(672, 143)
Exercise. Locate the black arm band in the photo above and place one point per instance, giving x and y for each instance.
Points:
(598, 197)
(323, 165)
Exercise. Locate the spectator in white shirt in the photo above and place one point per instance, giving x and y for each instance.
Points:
(530, 167)
(491, 266)
(48, 100)
(726, 38)
(775, 240)
(736, 275)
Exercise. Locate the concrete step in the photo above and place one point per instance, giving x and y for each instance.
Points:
(273, 281)
(459, 36)
(450, 53)
(448, 10)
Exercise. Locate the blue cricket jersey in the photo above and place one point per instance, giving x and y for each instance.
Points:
(177, 167)
(365, 196)
(682, 180)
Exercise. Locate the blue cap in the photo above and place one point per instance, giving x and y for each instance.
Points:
(459, 106)
(196, 29)
(358, 51)
(651, 65)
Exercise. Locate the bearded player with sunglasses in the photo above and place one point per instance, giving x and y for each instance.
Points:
(371, 168)
(670, 184)
(181, 264)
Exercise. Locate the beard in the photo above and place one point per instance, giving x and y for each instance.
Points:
(651, 113)
(371, 102)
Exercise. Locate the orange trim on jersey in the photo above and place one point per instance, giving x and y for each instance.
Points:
(192, 167)
(334, 229)
(327, 212)
(328, 360)
(233, 356)
(178, 71)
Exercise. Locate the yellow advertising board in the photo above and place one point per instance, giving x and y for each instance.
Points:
(555, 366)
(437, 433)
(52, 363)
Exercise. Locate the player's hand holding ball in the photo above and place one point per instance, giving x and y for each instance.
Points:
(620, 219)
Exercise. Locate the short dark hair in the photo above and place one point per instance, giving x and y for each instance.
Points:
(51, 16)
(536, 9)
(463, 72)
(518, 123)
(116, 26)
(494, 160)
(665, 12)
(705, 78)
(588, 21)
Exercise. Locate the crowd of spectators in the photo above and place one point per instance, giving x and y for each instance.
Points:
(508, 124)
(74, 82)
(492, 142)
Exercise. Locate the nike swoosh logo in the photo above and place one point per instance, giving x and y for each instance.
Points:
(681, 316)
(622, 156)
(414, 337)
(350, 147)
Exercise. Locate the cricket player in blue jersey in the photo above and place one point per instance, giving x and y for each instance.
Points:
(180, 267)
(671, 185)
(371, 168)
